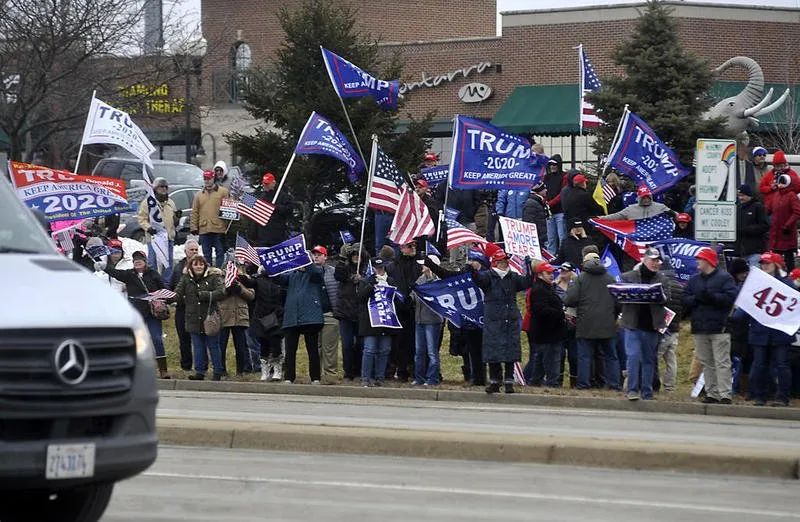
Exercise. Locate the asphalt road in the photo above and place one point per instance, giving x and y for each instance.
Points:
(241, 485)
(485, 418)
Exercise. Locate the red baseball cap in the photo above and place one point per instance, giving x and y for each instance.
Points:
(709, 255)
(544, 267)
(579, 178)
(319, 249)
(422, 183)
(268, 178)
(208, 174)
(771, 257)
(794, 274)
(431, 156)
(643, 192)
(683, 217)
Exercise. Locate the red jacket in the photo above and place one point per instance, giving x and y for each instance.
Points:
(769, 178)
(785, 209)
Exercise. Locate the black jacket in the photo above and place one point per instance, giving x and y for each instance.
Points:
(138, 287)
(547, 314)
(404, 272)
(465, 201)
(535, 212)
(348, 305)
(276, 230)
(571, 250)
(709, 298)
(752, 228)
(269, 298)
(578, 204)
(554, 181)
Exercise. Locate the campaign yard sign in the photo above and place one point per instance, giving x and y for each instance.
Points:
(285, 257)
(521, 238)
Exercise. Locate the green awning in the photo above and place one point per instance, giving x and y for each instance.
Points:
(780, 117)
(550, 110)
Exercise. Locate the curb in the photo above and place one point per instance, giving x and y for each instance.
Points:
(519, 399)
(569, 451)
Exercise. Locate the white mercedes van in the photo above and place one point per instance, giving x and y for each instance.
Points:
(77, 380)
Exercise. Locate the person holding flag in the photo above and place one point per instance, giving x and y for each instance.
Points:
(349, 272)
(167, 210)
(547, 330)
(644, 208)
(276, 229)
(206, 221)
(377, 339)
(235, 314)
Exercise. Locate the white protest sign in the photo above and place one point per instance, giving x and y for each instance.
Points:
(521, 238)
(770, 302)
(715, 210)
(105, 124)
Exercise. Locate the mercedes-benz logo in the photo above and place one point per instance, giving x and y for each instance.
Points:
(71, 362)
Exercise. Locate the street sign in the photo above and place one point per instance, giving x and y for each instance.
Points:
(715, 189)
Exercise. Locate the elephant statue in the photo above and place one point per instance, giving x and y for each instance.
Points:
(741, 110)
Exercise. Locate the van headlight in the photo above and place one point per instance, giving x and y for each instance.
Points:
(144, 344)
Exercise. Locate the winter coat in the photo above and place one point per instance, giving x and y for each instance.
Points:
(205, 211)
(226, 179)
(784, 207)
(501, 317)
(269, 298)
(277, 229)
(596, 307)
(709, 298)
(423, 313)
(137, 286)
(570, 250)
(303, 297)
(331, 288)
(631, 312)
(167, 209)
(638, 212)
(674, 301)
(366, 288)
(768, 192)
(752, 228)
(535, 212)
(233, 307)
(578, 204)
(761, 335)
(547, 321)
(555, 182)
(510, 202)
(196, 294)
(405, 271)
(348, 305)
(465, 201)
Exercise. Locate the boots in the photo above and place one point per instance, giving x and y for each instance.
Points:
(162, 368)
(265, 370)
(573, 381)
(276, 365)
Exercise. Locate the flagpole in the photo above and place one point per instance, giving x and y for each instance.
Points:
(283, 179)
(372, 157)
(352, 130)
(616, 137)
(580, 89)
(80, 149)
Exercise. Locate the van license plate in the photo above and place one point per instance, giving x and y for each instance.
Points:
(65, 461)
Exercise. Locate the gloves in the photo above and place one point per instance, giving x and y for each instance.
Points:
(152, 231)
(99, 266)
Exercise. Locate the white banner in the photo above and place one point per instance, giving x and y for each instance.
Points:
(770, 302)
(521, 238)
(105, 124)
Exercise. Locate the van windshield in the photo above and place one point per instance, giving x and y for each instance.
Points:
(19, 230)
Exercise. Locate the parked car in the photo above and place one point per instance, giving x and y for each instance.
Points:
(326, 224)
(183, 197)
(130, 170)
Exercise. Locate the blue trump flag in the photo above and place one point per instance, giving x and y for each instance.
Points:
(347, 237)
(285, 257)
(435, 175)
(351, 81)
(382, 313)
(431, 250)
(320, 136)
(678, 254)
(486, 157)
(456, 299)
(640, 154)
(610, 262)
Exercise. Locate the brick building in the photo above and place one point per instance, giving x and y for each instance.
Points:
(445, 48)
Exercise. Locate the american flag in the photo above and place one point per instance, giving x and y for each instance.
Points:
(589, 83)
(230, 274)
(608, 191)
(517, 264)
(63, 239)
(519, 376)
(458, 234)
(245, 253)
(256, 209)
(387, 183)
(161, 294)
(546, 255)
(633, 236)
(411, 220)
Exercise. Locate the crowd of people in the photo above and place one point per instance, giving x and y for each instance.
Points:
(578, 334)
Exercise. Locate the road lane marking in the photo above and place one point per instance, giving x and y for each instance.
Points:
(475, 492)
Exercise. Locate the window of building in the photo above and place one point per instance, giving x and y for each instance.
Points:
(242, 59)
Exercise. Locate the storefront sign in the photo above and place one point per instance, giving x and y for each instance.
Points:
(435, 81)
(474, 93)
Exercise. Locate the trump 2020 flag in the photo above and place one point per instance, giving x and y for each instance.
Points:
(487, 157)
(634, 293)
(347, 237)
(610, 262)
(285, 257)
(350, 81)
(640, 154)
(382, 313)
(435, 175)
(105, 124)
(678, 254)
(770, 302)
(456, 299)
(633, 235)
(320, 136)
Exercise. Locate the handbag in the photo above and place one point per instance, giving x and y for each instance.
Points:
(159, 309)
(269, 322)
(212, 324)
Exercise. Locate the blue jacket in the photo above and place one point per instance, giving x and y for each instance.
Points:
(511, 202)
(709, 298)
(763, 335)
(303, 297)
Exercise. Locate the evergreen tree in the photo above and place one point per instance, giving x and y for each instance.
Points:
(663, 84)
(285, 93)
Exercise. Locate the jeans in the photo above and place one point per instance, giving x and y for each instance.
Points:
(243, 361)
(533, 372)
(765, 358)
(311, 335)
(569, 353)
(608, 351)
(152, 262)
(351, 358)
(376, 354)
(550, 356)
(383, 221)
(427, 354)
(154, 327)
(714, 353)
(556, 233)
(203, 345)
(212, 241)
(184, 338)
(641, 350)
